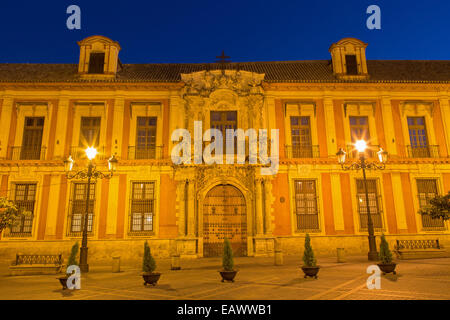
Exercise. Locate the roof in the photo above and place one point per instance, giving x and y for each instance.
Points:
(283, 71)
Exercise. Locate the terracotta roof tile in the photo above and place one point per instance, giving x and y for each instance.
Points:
(284, 71)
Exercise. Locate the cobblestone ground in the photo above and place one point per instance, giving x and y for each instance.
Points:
(257, 279)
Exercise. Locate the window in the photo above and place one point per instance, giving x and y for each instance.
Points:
(24, 197)
(142, 207)
(78, 208)
(306, 205)
(301, 137)
(32, 138)
(418, 138)
(90, 132)
(373, 203)
(426, 190)
(352, 66)
(223, 120)
(359, 130)
(96, 62)
(146, 138)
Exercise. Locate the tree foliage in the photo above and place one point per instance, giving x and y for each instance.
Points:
(385, 254)
(227, 259)
(10, 213)
(148, 264)
(73, 255)
(438, 207)
(308, 255)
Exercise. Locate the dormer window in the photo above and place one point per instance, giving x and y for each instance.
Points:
(348, 58)
(352, 66)
(96, 62)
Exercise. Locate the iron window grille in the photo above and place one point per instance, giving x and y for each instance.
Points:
(306, 209)
(90, 132)
(427, 190)
(25, 198)
(142, 206)
(374, 204)
(78, 209)
(359, 130)
(419, 147)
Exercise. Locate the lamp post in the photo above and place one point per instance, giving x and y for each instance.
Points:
(361, 147)
(89, 173)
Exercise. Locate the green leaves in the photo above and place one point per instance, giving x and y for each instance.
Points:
(227, 259)
(10, 213)
(148, 264)
(308, 255)
(385, 254)
(73, 255)
(438, 207)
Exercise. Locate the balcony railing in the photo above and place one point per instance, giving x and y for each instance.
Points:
(79, 153)
(151, 152)
(423, 151)
(27, 153)
(296, 151)
(371, 151)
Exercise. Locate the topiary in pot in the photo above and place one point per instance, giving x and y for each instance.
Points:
(309, 267)
(148, 267)
(72, 261)
(385, 256)
(228, 273)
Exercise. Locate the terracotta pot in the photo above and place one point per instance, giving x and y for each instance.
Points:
(387, 267)
(151, 278)
(228, 275)
(310, 271)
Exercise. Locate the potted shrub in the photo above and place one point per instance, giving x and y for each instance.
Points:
(310, 269)
(72, 261)
(148, 267)
(228, 273)
(386, 265)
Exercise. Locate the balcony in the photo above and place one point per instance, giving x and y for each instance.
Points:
(423, 151)
(150, 152)
(296, 151)
(27, 153)
(79, 153)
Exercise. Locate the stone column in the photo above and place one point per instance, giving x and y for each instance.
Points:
(258, 207)
(191, 208)
(266, 204)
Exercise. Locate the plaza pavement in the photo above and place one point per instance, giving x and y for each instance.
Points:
(257, 279)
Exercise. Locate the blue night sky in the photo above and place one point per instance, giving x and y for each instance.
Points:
(197, 31)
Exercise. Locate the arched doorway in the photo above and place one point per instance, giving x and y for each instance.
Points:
(224, 216)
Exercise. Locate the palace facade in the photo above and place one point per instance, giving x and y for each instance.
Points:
(51, 111)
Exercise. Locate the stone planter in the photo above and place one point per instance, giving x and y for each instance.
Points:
(151, 278)
(228, 275)
(310, 271)
(387, 267)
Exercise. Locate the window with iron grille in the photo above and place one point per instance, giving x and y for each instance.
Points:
(301, 137)
(146, 138)
(374, 203)
(359, 130)
(90, 132)
(96, 62)
(142, 207)
(306, 210)
(352, 66)
(427, 190)
(24, 197)
(223, 120)
(78, 208)
(418, 137)
(32, 138)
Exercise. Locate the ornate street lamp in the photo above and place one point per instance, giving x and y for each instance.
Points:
(89, 173)
(361, 147)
